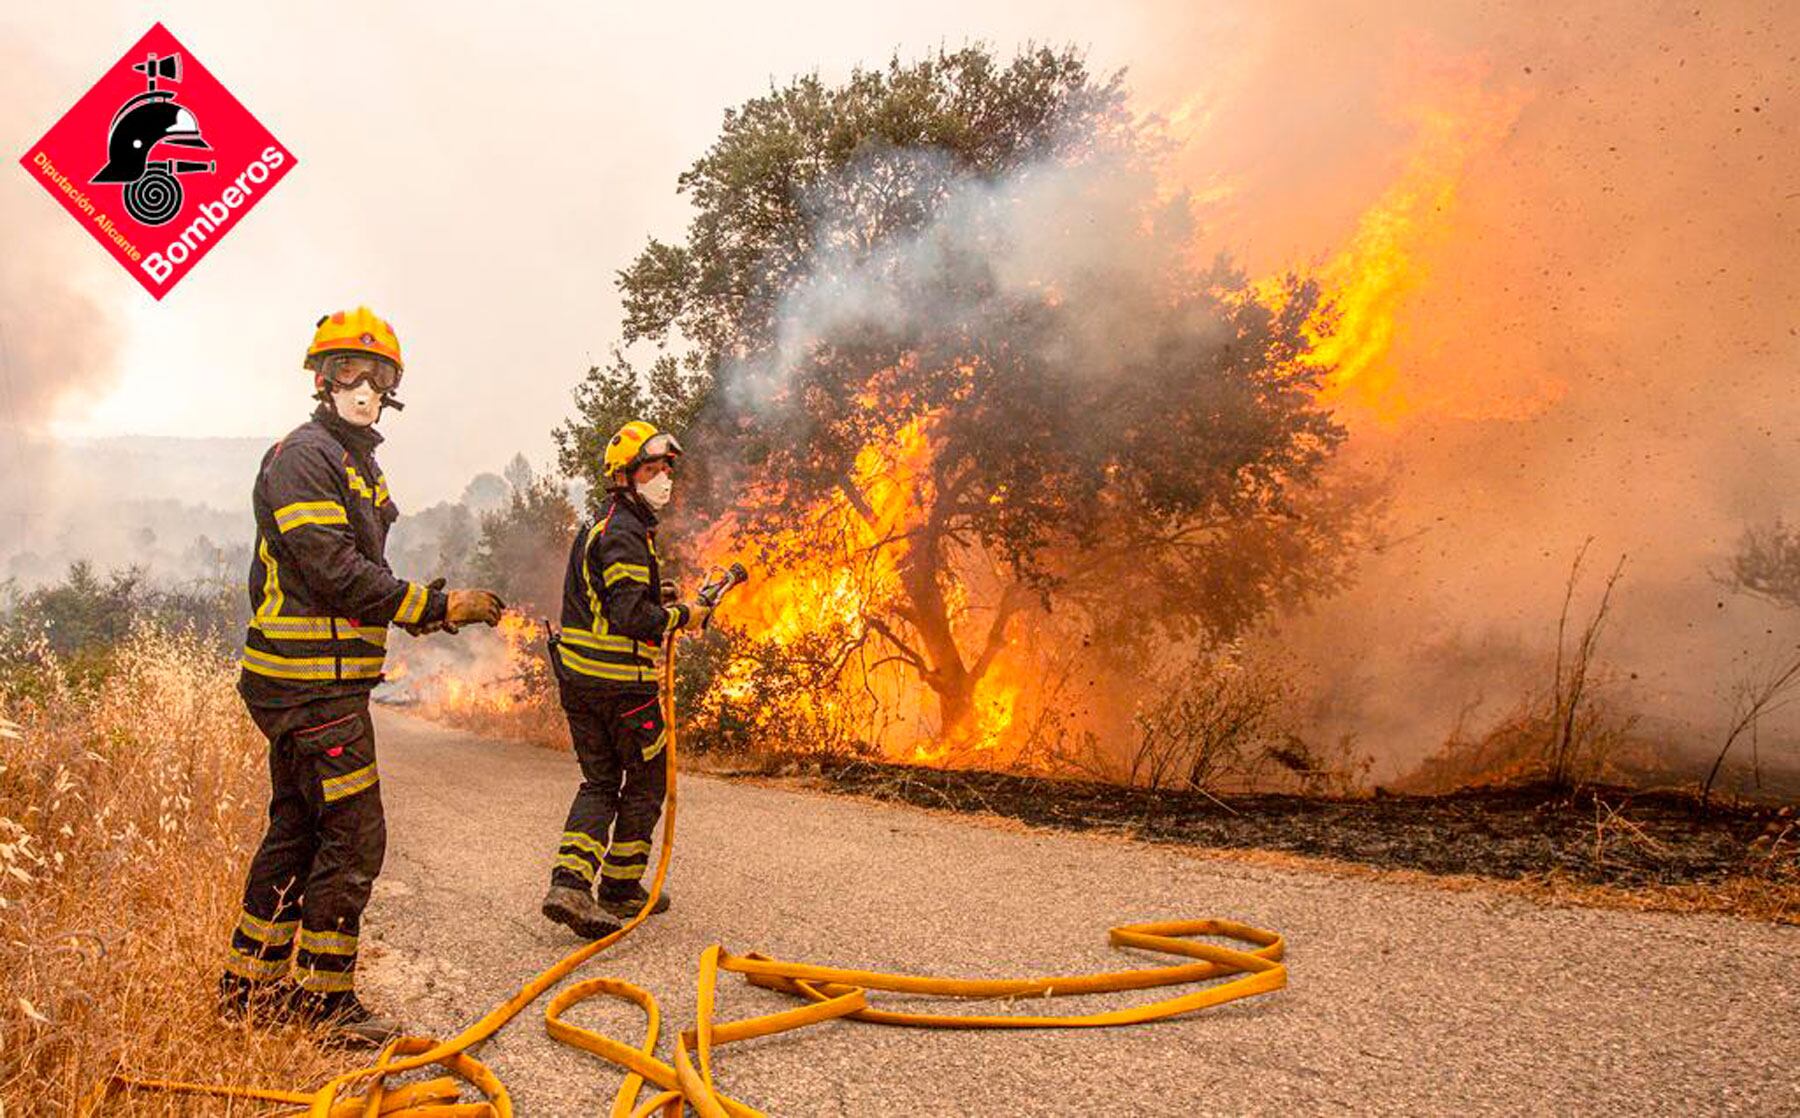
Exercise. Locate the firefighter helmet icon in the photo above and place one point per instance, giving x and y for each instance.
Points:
(150, 120)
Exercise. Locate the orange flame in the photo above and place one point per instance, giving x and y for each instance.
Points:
(490, 686)
(842, 572)
(1369, 283)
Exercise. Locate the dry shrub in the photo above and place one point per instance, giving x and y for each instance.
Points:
(1574, 732)
(1220, 723)
(1513, 751)
(769, 701)
(129, 808)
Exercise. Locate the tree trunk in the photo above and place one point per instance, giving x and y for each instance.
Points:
(939, 661)
(947, 676)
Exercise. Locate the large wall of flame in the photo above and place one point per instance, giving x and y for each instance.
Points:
(1593, 329)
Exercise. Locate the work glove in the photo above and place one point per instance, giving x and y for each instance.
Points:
(698, 614)
(430, 627)
(671, 593)
(469, 606)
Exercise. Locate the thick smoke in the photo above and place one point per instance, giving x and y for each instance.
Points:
(1601, 341)
(59, 338)
(1047, 229)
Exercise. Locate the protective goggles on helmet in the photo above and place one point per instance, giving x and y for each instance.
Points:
(660, 447)
(347, 370)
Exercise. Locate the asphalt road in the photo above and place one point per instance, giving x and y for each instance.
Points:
(1402, 998)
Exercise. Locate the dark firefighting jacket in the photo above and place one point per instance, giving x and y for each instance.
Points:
(613, 623)
(321, 593)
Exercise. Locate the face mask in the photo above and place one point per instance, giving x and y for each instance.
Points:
(657, 490)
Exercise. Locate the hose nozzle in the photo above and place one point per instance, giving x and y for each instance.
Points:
(716, 587)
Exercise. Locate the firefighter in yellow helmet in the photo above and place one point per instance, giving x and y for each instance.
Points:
(616, 613)
(322, 598)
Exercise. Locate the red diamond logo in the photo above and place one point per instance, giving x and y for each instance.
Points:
(158, 161)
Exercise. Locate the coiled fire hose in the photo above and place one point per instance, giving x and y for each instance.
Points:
(827, 993)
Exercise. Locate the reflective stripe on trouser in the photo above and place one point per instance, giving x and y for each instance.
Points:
(625, 861)
(310, 879)
(260, 947)
(606, 839)
(325, 961)
(579, 854)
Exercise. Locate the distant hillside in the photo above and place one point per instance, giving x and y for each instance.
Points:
(180, 508)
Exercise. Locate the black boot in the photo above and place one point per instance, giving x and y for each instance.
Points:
(625, 900)
(575, 910)
(347, 1018)
(259, 1003)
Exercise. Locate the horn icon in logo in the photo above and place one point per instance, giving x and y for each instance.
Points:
(142, 124)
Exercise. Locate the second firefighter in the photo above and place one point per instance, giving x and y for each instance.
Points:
(617, 613)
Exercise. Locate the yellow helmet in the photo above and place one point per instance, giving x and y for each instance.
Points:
(357, 331)
(635, 444)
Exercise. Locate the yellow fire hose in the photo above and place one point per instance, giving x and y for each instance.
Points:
(828, 993)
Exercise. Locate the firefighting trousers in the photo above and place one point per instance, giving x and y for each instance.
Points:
(619, 741)
(311, 878)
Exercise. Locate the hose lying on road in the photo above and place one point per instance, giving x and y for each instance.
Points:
(829, 992)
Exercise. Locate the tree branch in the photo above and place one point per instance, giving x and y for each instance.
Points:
(905, 650)
(855, 497)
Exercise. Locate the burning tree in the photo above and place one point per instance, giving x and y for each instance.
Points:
(944, 357)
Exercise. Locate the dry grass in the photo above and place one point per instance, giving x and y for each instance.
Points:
(128, 811)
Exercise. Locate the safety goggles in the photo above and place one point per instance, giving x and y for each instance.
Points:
(347, 370)
(660, 447)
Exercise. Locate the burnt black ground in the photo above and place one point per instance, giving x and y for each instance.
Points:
(1601, 836)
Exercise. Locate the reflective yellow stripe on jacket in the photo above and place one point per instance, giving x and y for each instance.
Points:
(272, 597)
(619, 572)
(379, 494)
(301, 513)
(318, 629)
(603, 669)
(607, 642)
(412, 607)
(317, 668)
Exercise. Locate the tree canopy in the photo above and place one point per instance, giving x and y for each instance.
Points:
(979, 252)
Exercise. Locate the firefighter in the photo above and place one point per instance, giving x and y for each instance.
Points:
(322, 598)
(616, 612)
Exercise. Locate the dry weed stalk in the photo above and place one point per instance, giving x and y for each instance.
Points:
(1755, 699)
(128, 809)
(1575, 727)
(1609, 822)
